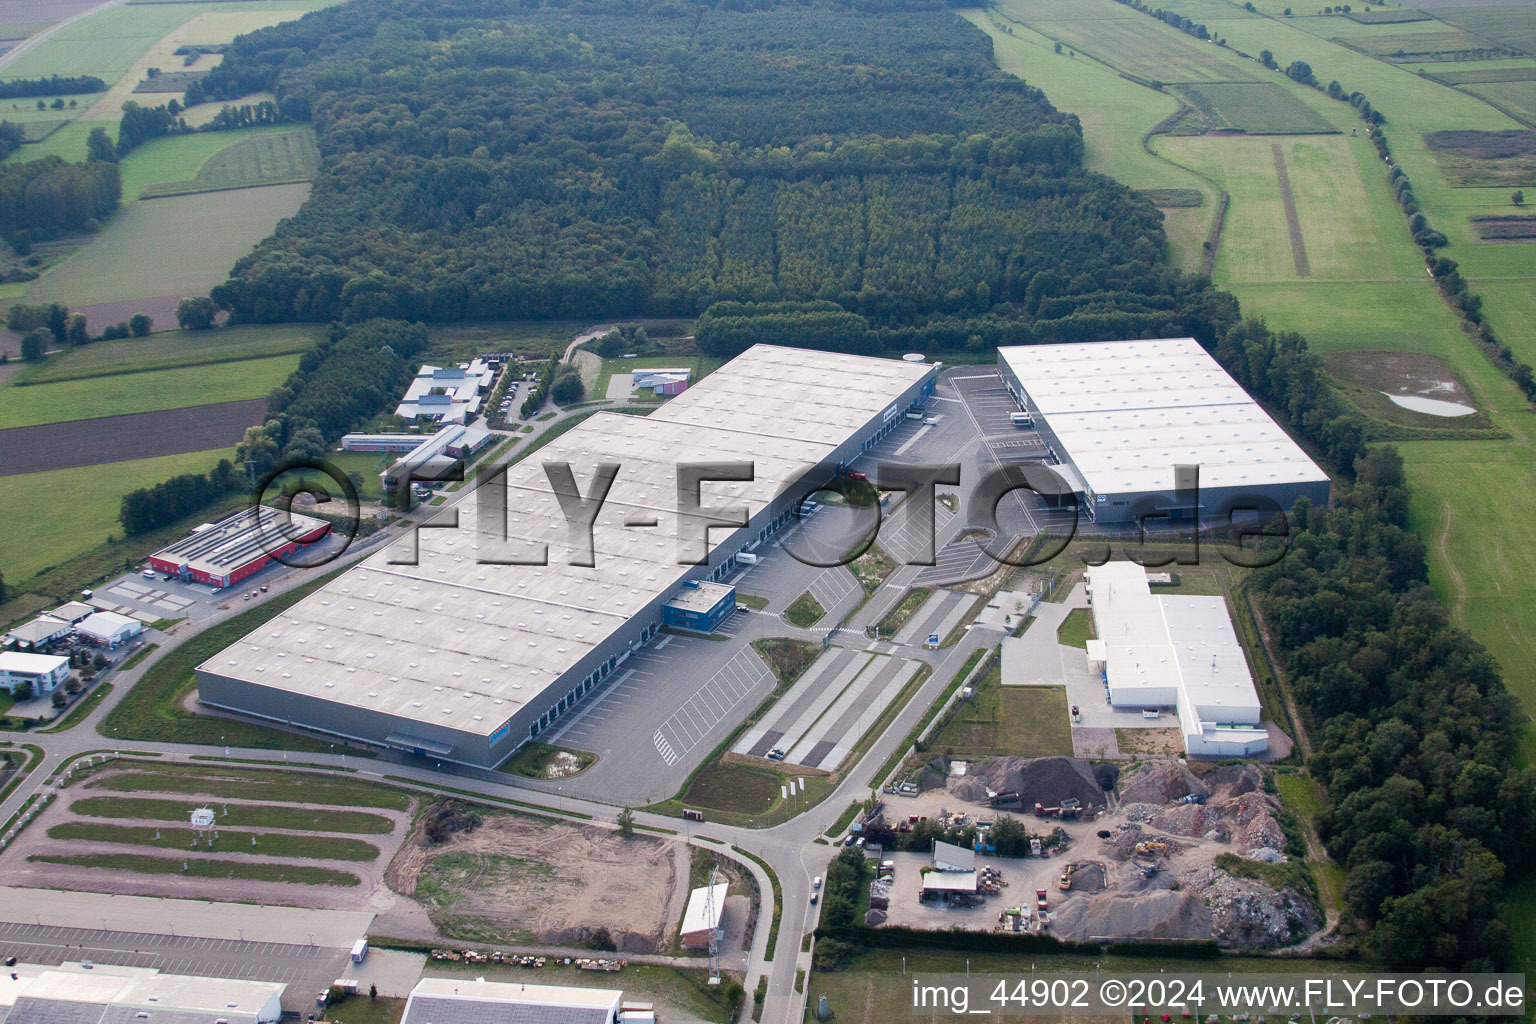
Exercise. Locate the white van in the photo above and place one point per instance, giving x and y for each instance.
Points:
(816, 882)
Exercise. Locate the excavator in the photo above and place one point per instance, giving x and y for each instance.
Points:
(1152, 846)
(1064, 883)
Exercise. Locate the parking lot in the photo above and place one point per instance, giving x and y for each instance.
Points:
(818, 722)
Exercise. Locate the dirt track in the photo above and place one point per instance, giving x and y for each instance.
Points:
(139, 435)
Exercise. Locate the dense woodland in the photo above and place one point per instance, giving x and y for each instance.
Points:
(49, 196)
(590, 158)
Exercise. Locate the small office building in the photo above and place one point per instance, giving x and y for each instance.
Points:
(700, 606)
(44, 673)
(40, 632)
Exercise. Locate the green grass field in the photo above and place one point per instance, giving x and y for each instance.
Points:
(38, 535)
(153, 390)
(143, 864)
(176, 161)
(169, 349)
(267, 844)
(183, 245)
(1258, 108)
(297, 818)
(267, 158)
(1510, 24)
(1518, 99)
(1011, 721)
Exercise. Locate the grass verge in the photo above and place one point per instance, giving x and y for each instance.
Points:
(140, 864)
(804, 612)
(299, 819)
(270, 844)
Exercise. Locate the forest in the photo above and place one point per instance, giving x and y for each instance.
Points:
(588, 158)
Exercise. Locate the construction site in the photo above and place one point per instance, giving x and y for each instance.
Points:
(1152, 851)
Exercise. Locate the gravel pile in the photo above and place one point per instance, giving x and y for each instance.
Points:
(1193, 820)
(1158, 914)
(1160, 782)
(968, 787)
(1140, 812)
(1044, 780)
(1256, 825)
(1248, 914)
(1233, 780)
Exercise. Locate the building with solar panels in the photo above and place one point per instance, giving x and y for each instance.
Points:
(1119, 416)
(222, 554)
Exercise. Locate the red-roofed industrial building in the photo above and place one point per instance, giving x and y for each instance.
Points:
(222, 554)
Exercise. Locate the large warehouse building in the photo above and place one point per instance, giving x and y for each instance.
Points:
(1177, 652)
(460, 660)
(1120, 415)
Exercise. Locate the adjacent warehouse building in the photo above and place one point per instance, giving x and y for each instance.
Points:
(1174, 652)
(1119, 416)
(87, 993)
(107, 629)
(460, 660)
(40, 632)
(477, 1001)
(222, 554)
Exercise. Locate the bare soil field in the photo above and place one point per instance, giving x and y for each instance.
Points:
(139, 435)
(520, 879)
(161, 309)
(1401, 373)
(18, 868)
(1473, 158)
(1505, 229)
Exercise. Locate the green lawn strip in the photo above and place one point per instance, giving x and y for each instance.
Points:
(752, 601)
(805, 611)
(778, 901)
(539, 812)
(151, 391)
(299, 819)
(1076, 629)
(267, 844)
(165, 350)
(907, 607)
(845, 819)
(1304, 798)
(141, 864)
(152, 709)
(362, 1008)
(276, 784)
(34, 757)
(871, 568)
(900, 753)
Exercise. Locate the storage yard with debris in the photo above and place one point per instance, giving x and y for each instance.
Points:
(1163, 853)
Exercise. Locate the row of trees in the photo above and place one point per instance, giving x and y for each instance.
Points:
(53, 85)
(44, 327)
(149, 508)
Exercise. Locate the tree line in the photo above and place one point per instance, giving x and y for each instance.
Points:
(45, 326)
(53, 85)
(351, 375)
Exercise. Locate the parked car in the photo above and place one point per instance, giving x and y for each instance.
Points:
(148, 574)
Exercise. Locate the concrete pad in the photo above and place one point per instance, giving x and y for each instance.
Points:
(160, 916)
(932, 609)
(395, 971)
(850, 735)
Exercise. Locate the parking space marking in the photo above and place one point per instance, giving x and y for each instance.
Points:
(708, 706)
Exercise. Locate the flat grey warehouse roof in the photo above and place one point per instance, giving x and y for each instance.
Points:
(465, 645)
(1127, 412)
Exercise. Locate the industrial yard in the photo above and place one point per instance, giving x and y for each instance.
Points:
(1166, 854)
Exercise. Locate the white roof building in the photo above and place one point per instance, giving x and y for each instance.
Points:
(42, 672)
(447, 394)
(1120, 415)
(949, 881)
(108, 628)
(1174, 651)
(42, 630)
(71, 612)
(476, 1001)
(105, 994)
(705, 913)
(949, 857)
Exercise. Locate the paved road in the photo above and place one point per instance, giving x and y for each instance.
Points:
(788, 848)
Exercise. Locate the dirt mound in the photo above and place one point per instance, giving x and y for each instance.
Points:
(1233, 780)
(1256, 825)
(1247, 914)
(623, 942)
(1045, 780)
(1160, 782)
(1159, 914)
(968, 787)
(1088, 876)
(873, 917)
(1193, 820)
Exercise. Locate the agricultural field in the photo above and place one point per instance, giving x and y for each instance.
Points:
(1517, 98)
(271, 158)
(1497, 159)
(196, 239)
(1511, 25)
(168, 349)
(315, 849)
(97, 442)
(37, 536)
(1258, 108)
(175, 160)
(177, 388)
